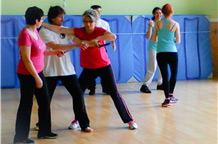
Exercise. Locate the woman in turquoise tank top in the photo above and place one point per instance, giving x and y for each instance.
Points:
(152, 48)
(167, 34)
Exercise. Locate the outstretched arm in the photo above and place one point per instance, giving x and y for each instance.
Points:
(54, 52)
(76, 42)
(107, 36)
(56, 46)
(58, 29)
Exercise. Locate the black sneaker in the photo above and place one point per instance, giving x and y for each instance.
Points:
(166, 103)
(27, 141)
(145, 89)
(49, 136)
(160, 87)
(92, 92)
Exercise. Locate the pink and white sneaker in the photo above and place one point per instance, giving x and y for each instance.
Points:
(74, 125)
(132, 125)
(173, 99)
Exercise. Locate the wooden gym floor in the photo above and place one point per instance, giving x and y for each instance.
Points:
(193, 120)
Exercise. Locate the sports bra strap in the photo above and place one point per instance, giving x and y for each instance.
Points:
(173, 26)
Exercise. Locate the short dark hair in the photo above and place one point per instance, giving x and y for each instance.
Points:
(95, 6)
(32, 14)
(54, 12)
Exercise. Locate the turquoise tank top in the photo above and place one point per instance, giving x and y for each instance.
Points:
(152, 46)
(166, 39)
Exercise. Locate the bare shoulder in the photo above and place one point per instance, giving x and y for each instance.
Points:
(172, 22)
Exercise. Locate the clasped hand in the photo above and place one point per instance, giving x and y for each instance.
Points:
(85, 44)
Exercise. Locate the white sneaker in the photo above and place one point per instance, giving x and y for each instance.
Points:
(74, 125)
(132, 125)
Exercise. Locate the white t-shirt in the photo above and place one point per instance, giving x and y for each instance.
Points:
(54, 65)
(103, 24)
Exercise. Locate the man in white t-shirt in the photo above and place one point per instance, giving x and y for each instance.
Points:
(103, 24)
(61, 68)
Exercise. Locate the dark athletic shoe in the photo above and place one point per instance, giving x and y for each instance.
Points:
(27, 141)
(145, 89)
(49, 136)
